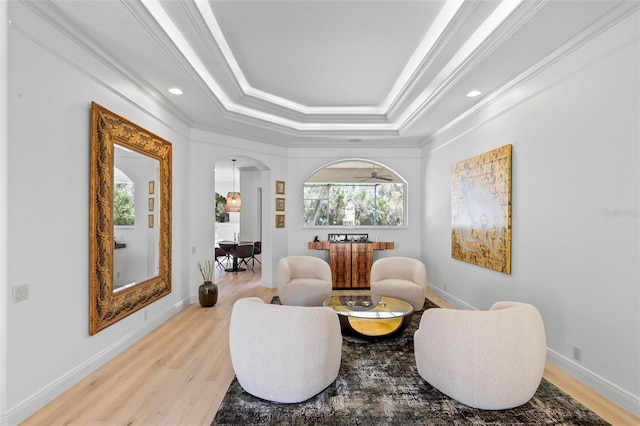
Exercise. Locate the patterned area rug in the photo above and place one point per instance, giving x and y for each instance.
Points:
(378, 384)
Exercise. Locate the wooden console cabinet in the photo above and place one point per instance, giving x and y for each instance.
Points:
(350, 262)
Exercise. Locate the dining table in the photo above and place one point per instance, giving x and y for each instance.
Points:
(234, 262)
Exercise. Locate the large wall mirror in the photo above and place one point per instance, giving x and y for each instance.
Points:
(355, 193)
(130, 218)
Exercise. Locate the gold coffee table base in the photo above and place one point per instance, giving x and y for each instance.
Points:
(371, 316)
(375, 327)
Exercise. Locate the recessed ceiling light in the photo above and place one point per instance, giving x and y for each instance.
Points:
(473, 93)
(175, 91)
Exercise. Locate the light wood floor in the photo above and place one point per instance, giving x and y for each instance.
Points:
(179, 373)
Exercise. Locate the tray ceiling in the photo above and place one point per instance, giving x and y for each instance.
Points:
(316, 73)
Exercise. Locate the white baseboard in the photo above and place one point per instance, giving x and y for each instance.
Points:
(459, 304)
(611, 391)
(604, 387)
(31, 405)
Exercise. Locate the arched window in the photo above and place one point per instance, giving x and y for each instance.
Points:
(354, 193)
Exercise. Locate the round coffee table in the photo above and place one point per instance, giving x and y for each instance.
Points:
(371, 316)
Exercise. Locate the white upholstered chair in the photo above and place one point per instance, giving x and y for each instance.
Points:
(303, 281)
(401, 277)
(284, 353)
(491, 360)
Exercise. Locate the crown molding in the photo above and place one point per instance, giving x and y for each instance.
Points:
(49, 13)
(459, 65)
(252, 109)
(252, 105)
(462, 123)
(399, 102)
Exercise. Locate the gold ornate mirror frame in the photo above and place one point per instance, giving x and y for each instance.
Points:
(105, 305)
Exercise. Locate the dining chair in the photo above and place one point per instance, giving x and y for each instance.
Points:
(243, 252)
(222, 253)
(227, 247)
(257, 249)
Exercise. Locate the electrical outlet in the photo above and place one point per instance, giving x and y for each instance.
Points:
(445, 287)
(20, 293)
(577, 353)
(193, 250)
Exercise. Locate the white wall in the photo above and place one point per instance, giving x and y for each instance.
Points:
(250, 214)
(575, 243)
(51, 81)
(4, 215)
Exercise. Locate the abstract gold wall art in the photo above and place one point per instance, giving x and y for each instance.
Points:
(481, 210)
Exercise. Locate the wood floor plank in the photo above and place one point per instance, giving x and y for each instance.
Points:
(179, 373)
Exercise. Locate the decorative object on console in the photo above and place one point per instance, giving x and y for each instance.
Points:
(208, 290)
(336, 238)
(481, 210)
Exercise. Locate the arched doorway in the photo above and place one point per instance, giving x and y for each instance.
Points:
(245, 176)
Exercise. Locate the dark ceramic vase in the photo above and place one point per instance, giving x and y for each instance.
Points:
(208, 294)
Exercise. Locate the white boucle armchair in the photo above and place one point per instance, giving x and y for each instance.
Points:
(403, 278)
(282, 353)
(491, 360)
(303, 281)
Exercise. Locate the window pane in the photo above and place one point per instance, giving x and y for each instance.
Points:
(354, 204)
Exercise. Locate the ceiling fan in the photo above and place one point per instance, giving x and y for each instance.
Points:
(374, 176)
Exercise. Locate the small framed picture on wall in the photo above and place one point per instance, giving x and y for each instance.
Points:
(279, 204)
(279, 187)
(279, 221)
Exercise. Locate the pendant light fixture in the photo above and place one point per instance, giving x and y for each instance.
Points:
(234, 201)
